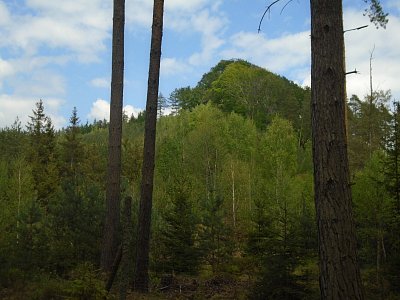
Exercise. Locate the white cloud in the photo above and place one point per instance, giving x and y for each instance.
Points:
(129, 110)
(39, 36)
(172, 66)
(100, 110)
(200, 19)
(139, 12)
(6, 70)
(210, 28)
(184, 5)
(74, 26)
(290, 55)
(177, 12)
(40, 84)
(4, 14)
(100, 82)
(12, 106)
(385, 63)
(278, 54)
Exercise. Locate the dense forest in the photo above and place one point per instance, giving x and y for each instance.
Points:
(233, 208)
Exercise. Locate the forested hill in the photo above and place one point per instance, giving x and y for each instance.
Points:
(233, 210)
(248, 90)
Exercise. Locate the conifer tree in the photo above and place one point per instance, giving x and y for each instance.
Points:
(113, 189)
(42, 154)
(141, 282)
(181, 255)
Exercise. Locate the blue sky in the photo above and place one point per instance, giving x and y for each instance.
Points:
(60, 51)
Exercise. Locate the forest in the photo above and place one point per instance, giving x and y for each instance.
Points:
(233, 212)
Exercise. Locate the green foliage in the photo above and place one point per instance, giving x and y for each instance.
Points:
(258, 94)
(368, 124)
(283, 221)
(240, 87)
(276, 258)
(181, 254)
(215, 237)
(42, 154)
(233, 193)
(376, 14)
(377, 222)
(392, 161)
(84, 283)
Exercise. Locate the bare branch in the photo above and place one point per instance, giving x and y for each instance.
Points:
(283, 8)
(352, 72)
(268, 9)
(358, 28)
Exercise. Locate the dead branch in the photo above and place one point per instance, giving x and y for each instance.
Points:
(352, 72)
(268, 9)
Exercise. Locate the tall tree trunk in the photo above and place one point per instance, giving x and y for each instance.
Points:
(127, 259)
(233, 196)
(339, 270)
(110, 242)
(141, 282)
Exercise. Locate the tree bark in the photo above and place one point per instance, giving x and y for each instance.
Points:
(110, 236)
(141, 281)
(127, 259)
(339, 270)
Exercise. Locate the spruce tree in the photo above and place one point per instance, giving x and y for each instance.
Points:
(42, 155)
(181, 255)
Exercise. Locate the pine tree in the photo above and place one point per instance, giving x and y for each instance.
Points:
(113, 189)
(141, 282)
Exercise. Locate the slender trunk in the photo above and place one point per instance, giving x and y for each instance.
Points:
(19, 200)
(110, 237)
(370, 106)
(378, 260)
(114, 268)
(233, 196)
(126, 248)
(396, 156)
(141, 282)
(339, 270)
(215, 171)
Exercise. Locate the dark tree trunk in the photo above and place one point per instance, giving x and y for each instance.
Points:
(141, 282)
(127, 259)
(110, 237)
(339, 270)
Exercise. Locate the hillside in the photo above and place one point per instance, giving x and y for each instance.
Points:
(250, 91)
(233, 210)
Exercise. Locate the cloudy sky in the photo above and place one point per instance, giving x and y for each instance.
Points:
(60, 51)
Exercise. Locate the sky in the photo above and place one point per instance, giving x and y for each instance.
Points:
(60, 51)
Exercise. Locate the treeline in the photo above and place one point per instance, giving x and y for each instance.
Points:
(233, 193)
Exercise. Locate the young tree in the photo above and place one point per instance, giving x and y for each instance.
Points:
(392, 162)
(162, 104)
(141, 282)
(178, 235)
(72, 148)
(42, 154)
(109, 248)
